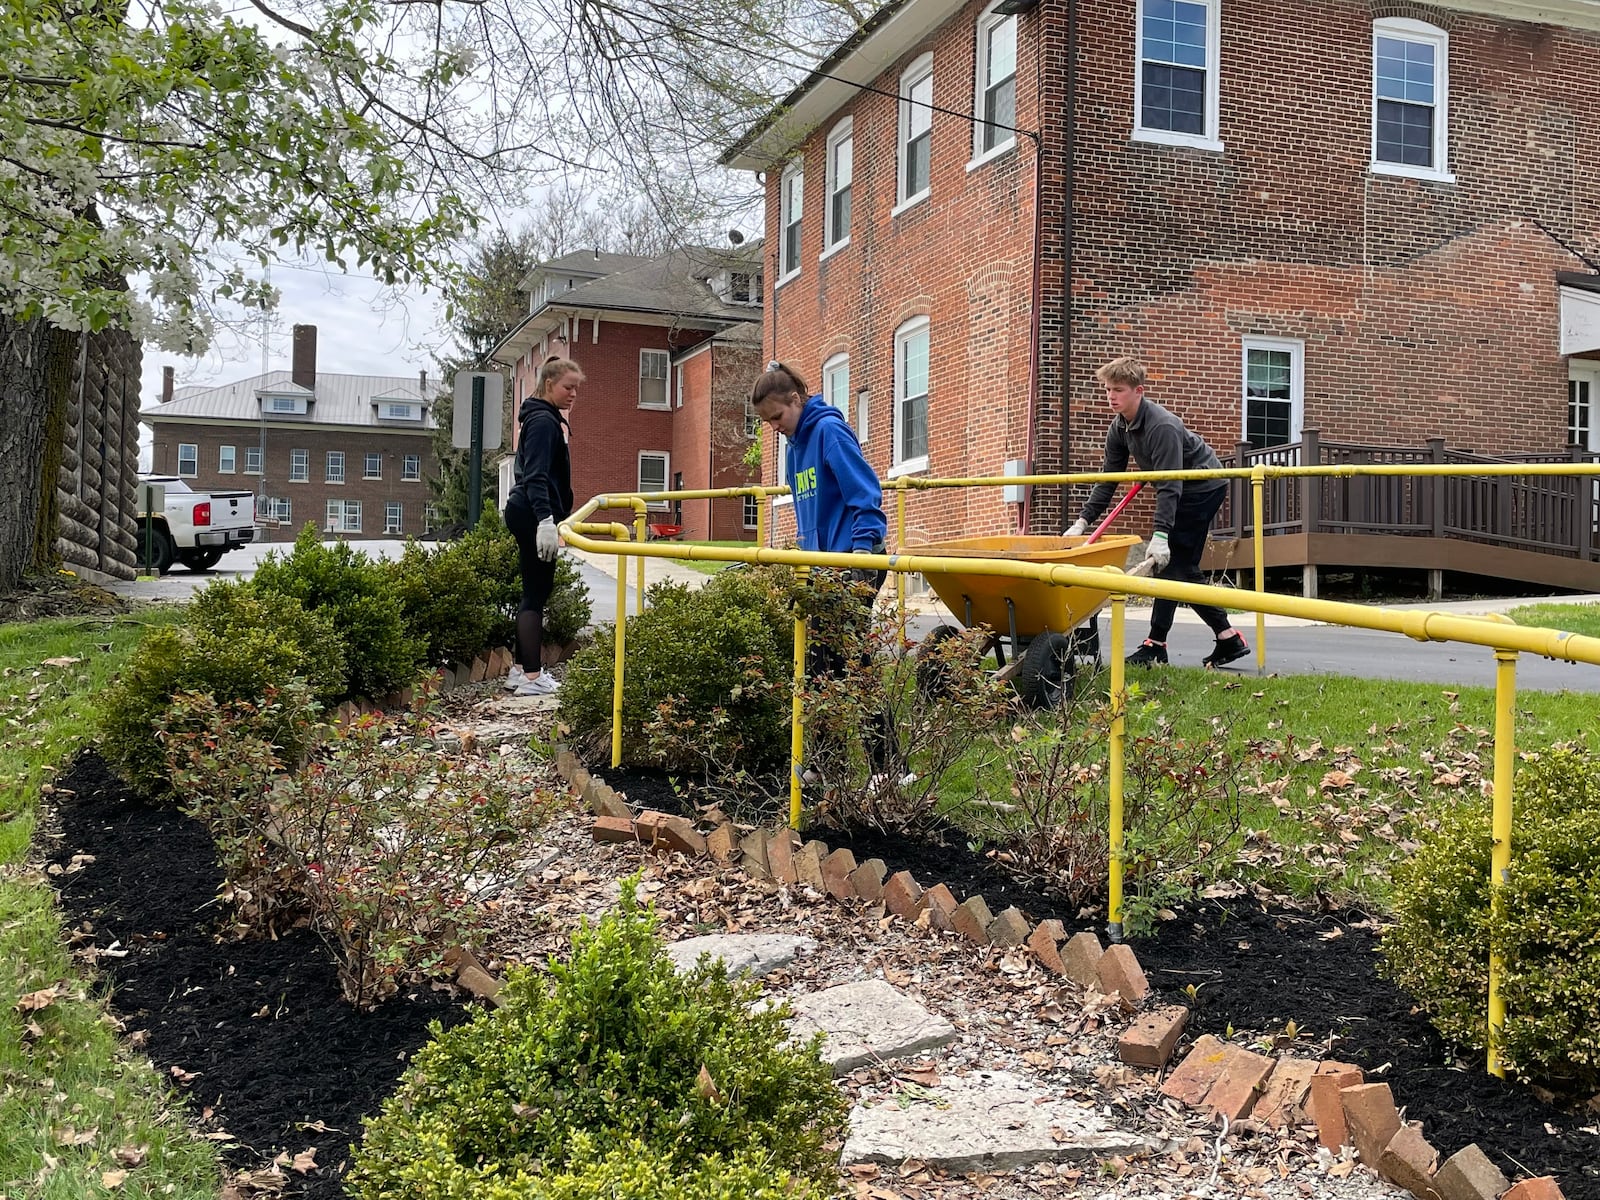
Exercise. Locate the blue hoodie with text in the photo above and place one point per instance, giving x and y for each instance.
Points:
(838, 502)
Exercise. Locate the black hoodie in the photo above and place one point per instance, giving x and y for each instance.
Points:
(544, 467)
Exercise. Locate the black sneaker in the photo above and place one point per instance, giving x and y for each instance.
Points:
(1228, 649)
(1150, 654)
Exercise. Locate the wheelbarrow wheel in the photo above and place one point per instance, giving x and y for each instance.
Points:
(933, 670)
(1045, 675)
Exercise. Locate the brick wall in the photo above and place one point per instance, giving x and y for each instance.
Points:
(309, 500)
(1425, 308)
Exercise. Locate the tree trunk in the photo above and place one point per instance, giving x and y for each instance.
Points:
(61, 352)
(33, 356)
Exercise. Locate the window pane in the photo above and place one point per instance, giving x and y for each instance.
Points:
(1268, 373)
(1174, 99)
(920, 118)
(1405, 70)
(1175, 33)
(392, 517)
(374, 466)
(1002, 49)
(412, 468)
(751, 511)
(227, 462)
(843, 166)
(1405, 134)
(188, 459)
(914, 396)
(1268, 422)
(1000, 107)
(840, 216)
(299, 464)
(836, 388)
(917, 165)
(252, 459)
(1578, 412)
(652, 473)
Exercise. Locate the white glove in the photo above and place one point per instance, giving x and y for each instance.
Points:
(1158, 553)
(1078, 528)
(547, 541)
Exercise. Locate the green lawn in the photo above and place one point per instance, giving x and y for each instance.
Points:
(710, 568)
(1570, 618)
(76, 1108)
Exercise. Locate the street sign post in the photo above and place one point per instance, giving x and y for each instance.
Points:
(478, 394)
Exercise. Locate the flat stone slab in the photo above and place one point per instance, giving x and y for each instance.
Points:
(745, 953)
(985, 1121)
(867, 1021)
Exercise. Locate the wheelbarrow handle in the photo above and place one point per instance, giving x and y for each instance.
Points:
(1112, 515)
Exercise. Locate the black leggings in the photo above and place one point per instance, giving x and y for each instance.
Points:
(538, 581)
(824, 660)
(1190, 528)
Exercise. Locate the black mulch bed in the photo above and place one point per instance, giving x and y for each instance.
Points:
(1256, 969)
(311, 1058)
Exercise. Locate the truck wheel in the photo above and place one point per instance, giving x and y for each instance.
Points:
(200, 560)
(1045, 675)
(156, 550)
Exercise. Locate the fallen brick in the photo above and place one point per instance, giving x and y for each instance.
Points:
(1408, 1161)
(1008, 929)
(939, 902)
(648, 825)
(1197, 1072)
(1282, 1101)
(902, 895)
(1544, 1187)
(781, 845)
(836, 870)
(808, 866)
(578, 780)
(722, 844)
(866, 881)
(479, 982)
(612, 829)
(971, 920)
(1150, 1040)
(1244, 1074)
(608, 802)
(479, 670)
(753, 854)
(1372, 1118)
(566, 763)
(1120, 975)
(1469, 1175)
(1045, 941)
(1081, 958)
(1324, 1105)
(679, 833)
(499, 662)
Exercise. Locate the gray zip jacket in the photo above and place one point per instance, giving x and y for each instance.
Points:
(1157, 441)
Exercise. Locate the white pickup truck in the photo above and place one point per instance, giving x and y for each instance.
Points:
(194, 528)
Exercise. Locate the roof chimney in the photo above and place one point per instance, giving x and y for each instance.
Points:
(304, 372)
(166, 384)
(422, 376)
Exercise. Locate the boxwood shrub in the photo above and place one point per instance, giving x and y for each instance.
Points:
(491, 553)
(1548, 933)
(682, 1074)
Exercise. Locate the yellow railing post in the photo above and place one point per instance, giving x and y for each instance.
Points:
(1505, 694)
(1119, 621)
(1258, 507)
(617, 673)
(761, 519)
(638, 591)
(797, 736)
(900, 548)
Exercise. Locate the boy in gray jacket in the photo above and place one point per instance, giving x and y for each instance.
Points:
(1158, 441)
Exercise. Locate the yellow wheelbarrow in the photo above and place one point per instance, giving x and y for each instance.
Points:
(1049, 628)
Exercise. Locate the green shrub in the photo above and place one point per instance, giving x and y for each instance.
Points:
(491, 553)
(238, 646)
(614, 1046)
(710, 656)
(448, 607)
(1548, 934)
(359, 599)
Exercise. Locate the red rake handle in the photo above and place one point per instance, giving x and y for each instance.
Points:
(1112, 515)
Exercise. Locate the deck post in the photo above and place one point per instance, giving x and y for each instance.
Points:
(1308, 581)
(1310, 490)
(1241, 452)
(1436, 454)
(1435, 584)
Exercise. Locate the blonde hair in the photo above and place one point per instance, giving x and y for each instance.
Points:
(555, 368)
(1129, 372)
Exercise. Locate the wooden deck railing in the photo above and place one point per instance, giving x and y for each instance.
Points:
(1544, 514)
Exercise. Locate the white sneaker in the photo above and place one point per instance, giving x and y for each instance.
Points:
(880, 781)
(541, 684)
(515, 678)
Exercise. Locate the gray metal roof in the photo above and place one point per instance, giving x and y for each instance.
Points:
(673, 284)
(337, 400)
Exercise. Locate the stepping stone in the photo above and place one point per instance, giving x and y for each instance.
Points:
(985, 1121)
(744, 953)
(867, 1021)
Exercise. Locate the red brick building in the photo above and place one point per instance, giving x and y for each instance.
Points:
(1353, 217)
(669, 347)
(350, 454)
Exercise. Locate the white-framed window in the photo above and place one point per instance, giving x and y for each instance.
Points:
(911, 397)
(840, 175)
(653, 473)
(836, 383)
(1175, 90)
(782, 459)
(791, 204)
(752, 511)
(995, 101)
(299, 466)
(279, 509)
(1274, 391)
(1583, 393)
(227, 460)
(344, 516)
(372, 468)
(1410, 98)
(188, 460)
(862, 405)
(393, 517)
(752, 420)
(744, 287)
(411, 468)
(653, 379)
(396, 410)
(333, 471)
(916, 132)
(677, 384)
(252, 460)
(287, 404)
